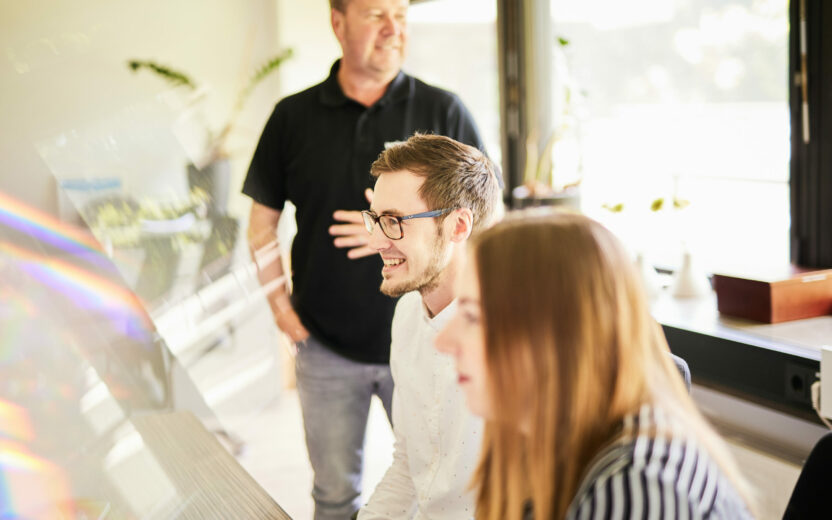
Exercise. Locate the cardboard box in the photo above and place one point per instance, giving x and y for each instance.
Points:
(792, 294)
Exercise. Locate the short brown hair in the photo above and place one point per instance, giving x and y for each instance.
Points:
(338, 5)
(456, 175)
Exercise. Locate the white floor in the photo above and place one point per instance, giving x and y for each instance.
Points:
(275, 454)
(247, 381)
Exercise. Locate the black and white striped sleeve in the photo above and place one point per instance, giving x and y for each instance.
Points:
(662, 480)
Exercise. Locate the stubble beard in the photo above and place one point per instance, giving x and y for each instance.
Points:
(427, 280)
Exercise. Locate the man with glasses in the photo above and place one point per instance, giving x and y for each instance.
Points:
(316, 151)
(431, 193)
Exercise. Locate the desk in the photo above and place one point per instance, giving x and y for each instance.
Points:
(209, 482)
(772, 366)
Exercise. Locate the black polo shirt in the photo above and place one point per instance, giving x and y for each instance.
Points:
(316, 151)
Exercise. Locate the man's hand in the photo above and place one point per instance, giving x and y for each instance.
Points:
(262, 238)
(290, 324)
(352, 233)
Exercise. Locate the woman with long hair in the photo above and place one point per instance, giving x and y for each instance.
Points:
(586, 414)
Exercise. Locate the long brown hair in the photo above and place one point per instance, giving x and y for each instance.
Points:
(571, 349)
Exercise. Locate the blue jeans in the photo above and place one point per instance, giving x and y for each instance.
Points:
(335, 395)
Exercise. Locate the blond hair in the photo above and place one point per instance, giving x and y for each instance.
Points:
(456, 175)
(571, 349)
(339, 5)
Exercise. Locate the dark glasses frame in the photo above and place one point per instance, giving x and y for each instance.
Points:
(371, 219)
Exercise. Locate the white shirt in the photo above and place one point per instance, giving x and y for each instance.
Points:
(437, 440)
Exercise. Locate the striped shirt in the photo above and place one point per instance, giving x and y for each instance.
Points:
(662, 474)
(654, 471)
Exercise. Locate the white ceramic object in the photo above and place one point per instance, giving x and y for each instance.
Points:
(690, 281)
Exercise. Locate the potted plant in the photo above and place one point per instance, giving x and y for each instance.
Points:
(540, 186)
(688, 279)
(210, 169)
(552, 177)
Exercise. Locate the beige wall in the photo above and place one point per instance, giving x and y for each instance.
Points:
(304, 26)
(63, 73)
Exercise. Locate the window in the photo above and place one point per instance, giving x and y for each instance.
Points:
(684, 100)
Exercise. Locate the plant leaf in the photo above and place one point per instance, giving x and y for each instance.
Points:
(261, 73)
(680, 203)
(657, 204)
(170, 75)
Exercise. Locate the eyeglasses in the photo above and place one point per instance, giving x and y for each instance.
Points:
(391, 225)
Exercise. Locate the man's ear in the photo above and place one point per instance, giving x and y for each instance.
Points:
(336, 18)
(461, 223)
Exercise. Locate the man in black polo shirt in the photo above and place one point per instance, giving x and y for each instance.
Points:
(316, 151)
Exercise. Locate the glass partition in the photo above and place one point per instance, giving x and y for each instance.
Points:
(82, 362)
(137, 351)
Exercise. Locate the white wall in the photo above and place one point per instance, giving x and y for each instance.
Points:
(63, 72)
(304, 26)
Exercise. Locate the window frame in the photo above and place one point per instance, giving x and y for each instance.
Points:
(811, 163)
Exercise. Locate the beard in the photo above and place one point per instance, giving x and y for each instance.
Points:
(428, 279)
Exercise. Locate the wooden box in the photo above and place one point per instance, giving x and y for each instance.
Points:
(792, 294)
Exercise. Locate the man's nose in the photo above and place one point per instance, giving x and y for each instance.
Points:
(378, 240)
(392, 25)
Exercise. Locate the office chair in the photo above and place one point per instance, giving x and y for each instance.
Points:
(682, 367)
(810, 497)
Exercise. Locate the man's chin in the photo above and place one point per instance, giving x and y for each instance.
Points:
(424, 284)
(393, 290)
(388, 65)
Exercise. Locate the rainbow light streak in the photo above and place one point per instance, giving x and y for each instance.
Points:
(86, 289)
(15, 423)
(14, 316)
(30, 486)
(47, 228)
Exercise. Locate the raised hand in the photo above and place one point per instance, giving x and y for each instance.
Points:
(352, 233)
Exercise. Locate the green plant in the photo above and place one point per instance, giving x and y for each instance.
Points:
(217, 143)
(678, 203)
(656, 204)
(119, 219)
(173, 77)
(541, 175)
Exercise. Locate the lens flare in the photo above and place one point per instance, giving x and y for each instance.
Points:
(30, 486)
(47, 229)
(14, 423)
(87, 289)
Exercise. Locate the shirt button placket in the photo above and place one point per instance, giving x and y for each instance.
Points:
(362, 130)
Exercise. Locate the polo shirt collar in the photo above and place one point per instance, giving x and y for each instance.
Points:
(332, 95)
(398, 90)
